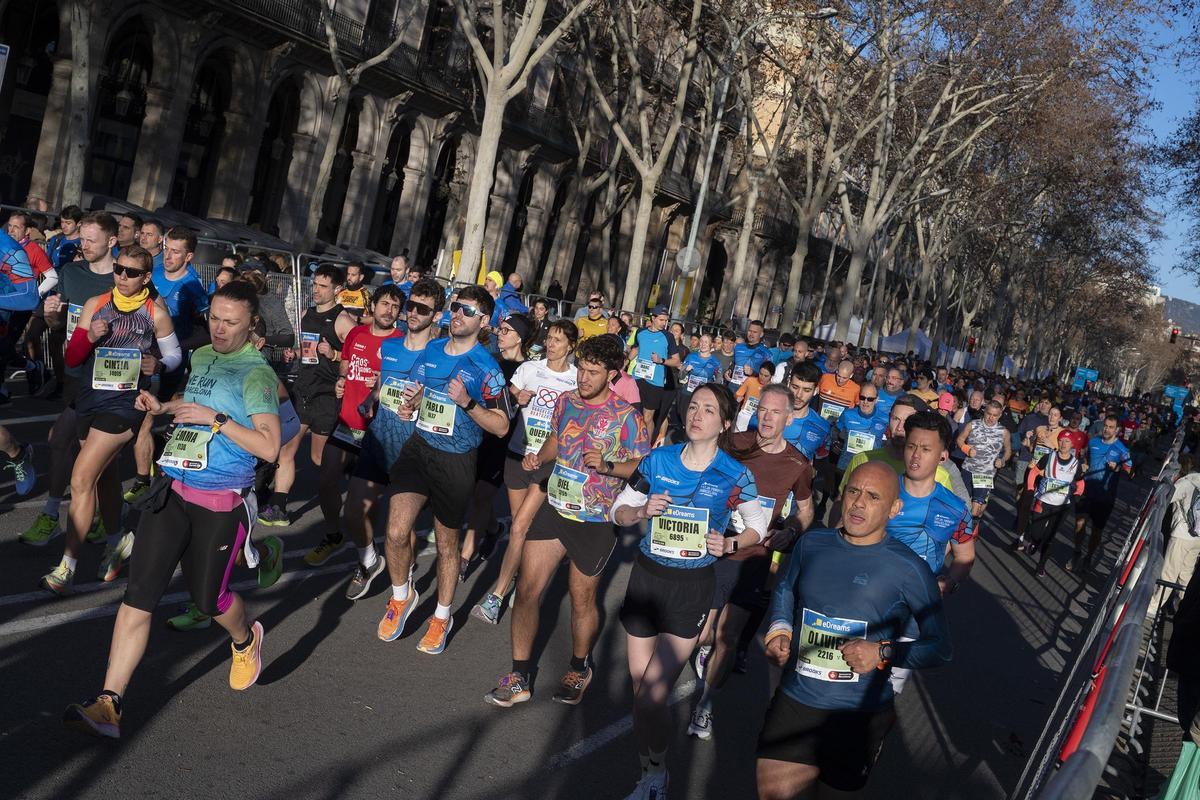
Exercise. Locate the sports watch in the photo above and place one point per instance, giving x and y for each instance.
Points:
(219, 420)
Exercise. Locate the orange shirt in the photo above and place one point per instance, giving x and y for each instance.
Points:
(836, 399)
(750, 389)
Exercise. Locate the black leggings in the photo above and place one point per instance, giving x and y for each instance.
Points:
(1042, 528)
(204, 542)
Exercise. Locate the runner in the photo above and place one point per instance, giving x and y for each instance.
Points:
(358, 373)
(686, 493)
(113, 339)
(748, 356)
(322, 329)
(537, 386)
(748, 393)
(925, 384)
(893, 389)
(203, 512)
(1039, 441)
(401, 366)
(18, 285)
(838, 391)
(807, 430)
(81, 280)
(1107, 458)
(150, 238)
(985, 443)
(183, 294)
(17, 458)
(462, 395)
(592, 322)
(653, 353)
(594, 439)
(784, 480)
(355, 298)
(1053, 483)
(834, 706)
(860, 428)
(63, 247)
(800, 353)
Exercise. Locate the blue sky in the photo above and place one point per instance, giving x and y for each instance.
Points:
(1176, 95)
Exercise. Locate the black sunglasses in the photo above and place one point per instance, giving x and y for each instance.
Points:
(413, 307)
(464, 309)
(593, 305)
(128, 272)
(868, 399)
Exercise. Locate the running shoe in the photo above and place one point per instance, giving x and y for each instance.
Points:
(398, 612)
(139, 488)
(98, 534)
(741, 661)
(572, 686)
(489, 610)
(189, 618)
(247, 664)
(488, 545)
(59, 581)
(652, 786)
(24, 476)
(1073, 564)
(702, 654)
(271, 567)
(43, 529)
(1018, 544)
(701, 725)
(324, 551)
(434, 640)
(1031, 548)
(1041, 573)
(35, 376)
(273, 517)
(464, 567)
(115, 557)
(513, 688)
(360, 581)
(98, 716)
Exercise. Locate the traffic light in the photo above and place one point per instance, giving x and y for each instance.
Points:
(1174, 334)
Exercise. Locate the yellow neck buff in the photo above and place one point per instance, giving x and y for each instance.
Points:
(126, 304)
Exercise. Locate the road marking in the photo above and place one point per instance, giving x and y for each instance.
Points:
(602, 737)
(24, 420)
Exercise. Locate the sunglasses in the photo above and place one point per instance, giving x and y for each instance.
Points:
(593, 305)
(868, 399)
(128, 272)
(464, 309)
(413, 307)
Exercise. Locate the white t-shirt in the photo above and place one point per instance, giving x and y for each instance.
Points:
(546, 385)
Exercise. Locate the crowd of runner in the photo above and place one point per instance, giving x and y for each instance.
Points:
(823, 499)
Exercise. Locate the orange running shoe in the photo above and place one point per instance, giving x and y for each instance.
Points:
(398, 611)
(434, 640)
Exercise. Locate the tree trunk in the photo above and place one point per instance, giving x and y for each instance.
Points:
(568, 221)
(858, 260)
(791, 303)
(316, 201)
(79, 129)
(738, 299)
(819, 309)
(634, 299)
(483, 175)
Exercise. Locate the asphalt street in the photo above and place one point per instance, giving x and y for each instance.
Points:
(338, 713)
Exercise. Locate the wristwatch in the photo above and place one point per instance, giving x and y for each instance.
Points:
(470, 404)
(608, 467)
(219, 420)
(886, 653)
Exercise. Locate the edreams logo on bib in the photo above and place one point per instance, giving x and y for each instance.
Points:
(832, 625)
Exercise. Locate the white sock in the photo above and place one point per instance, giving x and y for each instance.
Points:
(51, 507)
(367, 556)
(69, 561)
(400, 592)
(442, 612)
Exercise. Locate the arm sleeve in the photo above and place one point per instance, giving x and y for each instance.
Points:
(755, 517)
(781, 615)
(629, 496)
(172, 356)
(78, 349)
(49, 281)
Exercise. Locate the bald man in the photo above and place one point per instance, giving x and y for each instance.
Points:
(835, 704)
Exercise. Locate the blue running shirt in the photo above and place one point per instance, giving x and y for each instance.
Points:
(862, 433)
(184, 297)
(809, 434)
(400, 368)
(927, 525)
(652, 343)
(441, 422)
(700, 370)
(1099, 479)
(746, 356)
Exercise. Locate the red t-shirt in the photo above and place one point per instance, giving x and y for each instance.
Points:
(37, 258)
(360, 351)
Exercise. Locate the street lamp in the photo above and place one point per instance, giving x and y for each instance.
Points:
(688, 258)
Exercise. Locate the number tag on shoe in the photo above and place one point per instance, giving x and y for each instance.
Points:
(187, 449)
(817, 654)
(437, 413)
(116, 368)
(679, 533)
(564, 491)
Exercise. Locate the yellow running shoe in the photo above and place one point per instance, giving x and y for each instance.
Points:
(247, 664)
(98, 716)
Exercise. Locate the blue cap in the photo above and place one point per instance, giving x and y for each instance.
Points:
(660, 309)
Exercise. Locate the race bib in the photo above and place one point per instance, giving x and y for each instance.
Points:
(643, 369)
(860, 442)
(116, 368)
(739, 525)
(751, 404)
(537, 431)
(982, 481)
(1055, 487)
(679, 533)
(308, 348)
(1040, 451)
(73, 314)
(437, 413)
(565, 489)
(391, 394)
(831, 411)
(738, 376)
(187, 448)
(817, 652)
(344, 433)
(694, 382)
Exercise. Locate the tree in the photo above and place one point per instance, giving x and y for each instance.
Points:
(81, 100)
(503, 69)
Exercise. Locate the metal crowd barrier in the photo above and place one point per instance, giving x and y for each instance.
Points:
(1075, 745)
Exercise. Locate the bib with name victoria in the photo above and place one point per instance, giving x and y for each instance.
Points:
(116, 368)
(817, 654)
(679, 533)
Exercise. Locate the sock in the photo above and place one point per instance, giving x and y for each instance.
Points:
(279, 500)
(70, 562)
(116, 699)
(579, 664)
(249, 639)
(141, 479)
(51, 507)
(400, 592)
(442, 612)
(657, 762)
(367, 556)
(522, 668)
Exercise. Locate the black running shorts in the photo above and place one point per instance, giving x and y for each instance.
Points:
(588, 544)
(447, 479)
(843, 745)
(663, 599)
